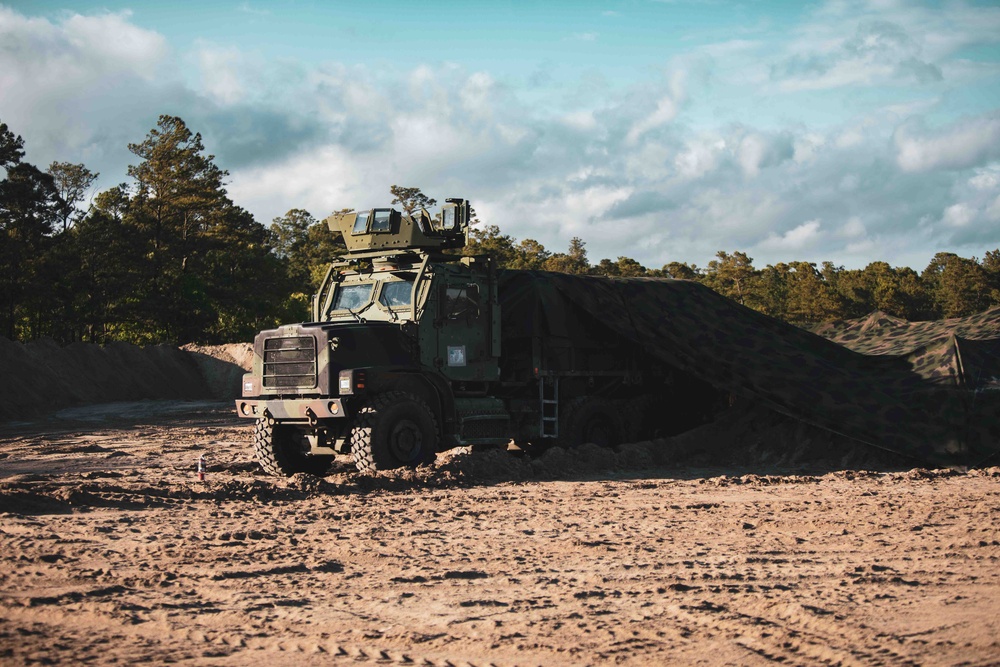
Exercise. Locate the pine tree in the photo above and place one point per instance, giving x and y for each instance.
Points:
(681, 271)
(208, 268)
(733, 276)
(29, 206)
(11, 147)
(810, 299)
(573, 261)
(410, 199)
(956, 286)
(72, 181)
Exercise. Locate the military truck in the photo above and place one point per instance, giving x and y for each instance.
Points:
(414, 349)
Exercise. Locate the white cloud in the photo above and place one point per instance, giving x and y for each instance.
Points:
(864, 248)
(992, 211)
(751, 153)
(220, 74)
(904, 110)
(666, 111)
(580, 120)
(647, 171)
(72, 90)
(57, 75)
(667, 107)
(862, 44)
(964, 144)
(958, 215)
(76, 52)
(247, 9)
(853, 228)
(140, 51)
(849, 183)
(798, 238)
(976, 204)
(756, 151)
(987, 179)
(699, 157)
(806, 147)
(319, 181)
(477, 94)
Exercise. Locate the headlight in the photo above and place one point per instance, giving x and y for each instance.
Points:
(251, 385)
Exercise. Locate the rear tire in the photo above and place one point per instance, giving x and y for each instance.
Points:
(643, 416)
(393, 430)
(591, 420)
(281, 450)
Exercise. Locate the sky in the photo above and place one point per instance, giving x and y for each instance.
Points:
(847, 131)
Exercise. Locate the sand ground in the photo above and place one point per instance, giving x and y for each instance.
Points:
(113, 552)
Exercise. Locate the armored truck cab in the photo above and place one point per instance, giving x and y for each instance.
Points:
(409, 354)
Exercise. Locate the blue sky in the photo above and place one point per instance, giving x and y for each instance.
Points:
(839, 130)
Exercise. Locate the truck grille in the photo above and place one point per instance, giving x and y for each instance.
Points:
(290, 362)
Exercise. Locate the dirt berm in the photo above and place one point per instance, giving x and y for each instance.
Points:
(42, 376)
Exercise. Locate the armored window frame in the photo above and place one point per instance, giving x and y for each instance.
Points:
(381, 221)
(449, 221)
(342, 288)
(403, 285)
(361, 223)
(461, 302)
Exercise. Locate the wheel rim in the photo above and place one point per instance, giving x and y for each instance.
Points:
(406, 441)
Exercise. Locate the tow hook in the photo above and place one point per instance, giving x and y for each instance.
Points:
(311, 416)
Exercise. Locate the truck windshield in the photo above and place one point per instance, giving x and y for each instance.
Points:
(395, 294)
(351, 297)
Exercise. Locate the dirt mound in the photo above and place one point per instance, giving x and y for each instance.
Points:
(747, 436)
(222, 366)
(42, 376)
(750, 434)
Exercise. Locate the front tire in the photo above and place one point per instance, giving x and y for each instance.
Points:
(393, 430)
(281, 450)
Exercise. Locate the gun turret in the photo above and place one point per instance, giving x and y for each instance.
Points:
(386, 229)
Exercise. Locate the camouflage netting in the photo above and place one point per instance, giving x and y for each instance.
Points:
(961, 352)
(929, 390)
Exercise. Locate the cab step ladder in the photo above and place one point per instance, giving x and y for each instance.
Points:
(548, 396)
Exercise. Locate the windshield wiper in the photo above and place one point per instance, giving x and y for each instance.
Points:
(357, 313)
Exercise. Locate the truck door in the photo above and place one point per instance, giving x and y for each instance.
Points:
(464, 334)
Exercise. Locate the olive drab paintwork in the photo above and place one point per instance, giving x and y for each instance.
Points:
(414, 349)
(388, 229)
(401, 354)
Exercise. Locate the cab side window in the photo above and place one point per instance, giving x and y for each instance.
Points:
(462, 302)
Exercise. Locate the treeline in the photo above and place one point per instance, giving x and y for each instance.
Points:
(168, 257)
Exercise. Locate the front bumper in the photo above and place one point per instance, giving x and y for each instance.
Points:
(302, 409)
